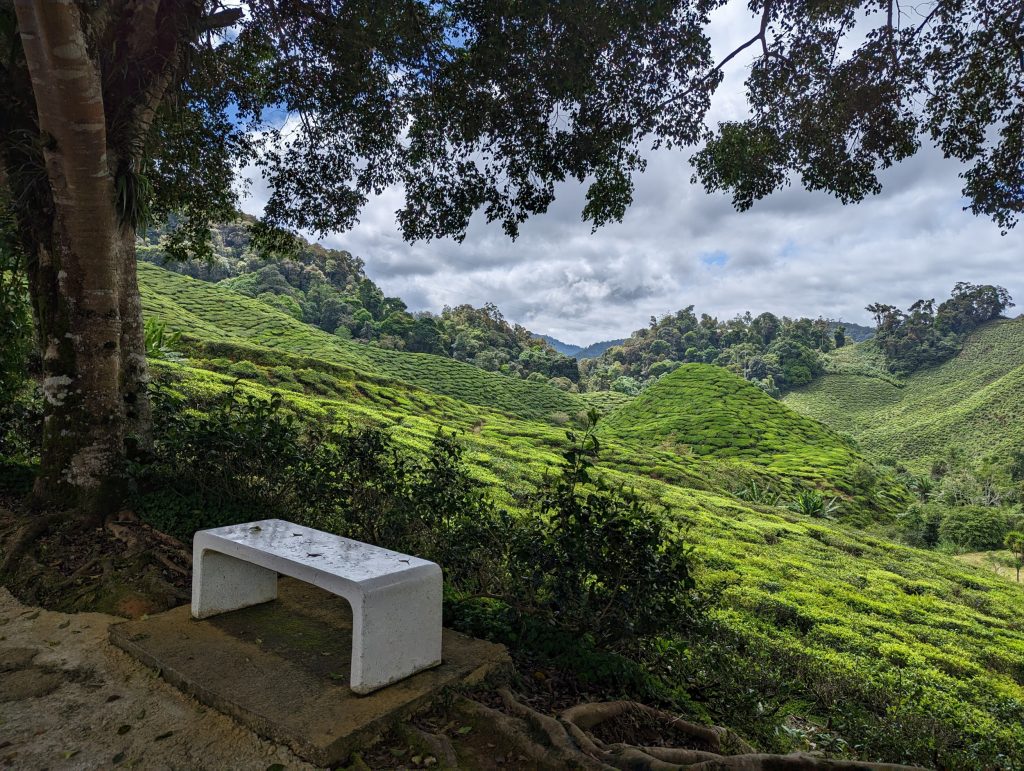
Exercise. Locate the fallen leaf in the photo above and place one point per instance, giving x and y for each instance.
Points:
(64, 624)
(122, 730)
(117, 759)
(165, 735)
(465, 730)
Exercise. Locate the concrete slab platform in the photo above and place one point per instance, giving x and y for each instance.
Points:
(282, 669)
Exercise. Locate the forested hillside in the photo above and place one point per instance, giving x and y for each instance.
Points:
(329, 289)
(579, 351)
(779, 354)
(216, 318)
(773, 353)
(973, 402)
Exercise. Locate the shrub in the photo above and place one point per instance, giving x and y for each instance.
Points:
(159, 343)
(563, 568)
(919, 526)
(603, 563)
(763, 494)
(15, 318)
(973, 528)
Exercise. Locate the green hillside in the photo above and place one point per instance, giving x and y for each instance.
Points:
(205, 312)
(709, 412)
(974, 401)
(825, 619)
(904, 654)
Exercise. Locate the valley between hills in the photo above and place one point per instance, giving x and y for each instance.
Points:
(831, 630)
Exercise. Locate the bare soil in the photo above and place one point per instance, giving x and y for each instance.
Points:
(70, 700)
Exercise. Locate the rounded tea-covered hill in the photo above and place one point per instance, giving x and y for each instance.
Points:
(710, 412)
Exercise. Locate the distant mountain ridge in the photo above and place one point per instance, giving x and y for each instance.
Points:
(591, 351)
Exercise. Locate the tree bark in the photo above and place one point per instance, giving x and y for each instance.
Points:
(82, 274)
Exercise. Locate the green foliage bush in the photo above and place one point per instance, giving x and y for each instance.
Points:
(15, 316)
(961, 528)
(594, 561)
(973, 528)
(812, 503)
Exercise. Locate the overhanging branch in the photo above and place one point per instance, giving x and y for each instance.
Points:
(220, 20)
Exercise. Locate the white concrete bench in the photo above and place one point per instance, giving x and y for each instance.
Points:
(395, 598)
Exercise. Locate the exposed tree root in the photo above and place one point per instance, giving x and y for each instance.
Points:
(438, 745)
(569, 741)
(63, 561)
(24, 538)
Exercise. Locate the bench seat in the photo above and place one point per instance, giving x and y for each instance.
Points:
(395, 598)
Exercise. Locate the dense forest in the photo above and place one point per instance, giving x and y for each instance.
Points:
(774, 353)
(329, 289)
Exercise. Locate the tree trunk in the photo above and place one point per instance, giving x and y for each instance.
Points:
(82, 275)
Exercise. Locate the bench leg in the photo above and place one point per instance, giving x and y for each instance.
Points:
(221, 583)
(396, 632)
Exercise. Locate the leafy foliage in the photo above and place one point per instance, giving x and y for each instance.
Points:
(159, 344)
(924, 336)
(811, 503)
(608, 566)
(771, 352)
(562, 567)
(15, 317)
(831, 106)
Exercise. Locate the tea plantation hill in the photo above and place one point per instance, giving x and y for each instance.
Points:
(710, 412)
(211, 314)
(905, 654)
(974, 401)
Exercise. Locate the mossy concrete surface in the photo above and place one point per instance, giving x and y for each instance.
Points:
(282, 669)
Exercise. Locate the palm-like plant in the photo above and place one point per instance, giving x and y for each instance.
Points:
(811, 503)
(922, 486)
(160, 344)
(756, 493)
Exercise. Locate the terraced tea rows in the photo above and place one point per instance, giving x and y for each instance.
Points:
(974, 401)
(203, 311)
(939, 641)
(839, 621)
(708, 411)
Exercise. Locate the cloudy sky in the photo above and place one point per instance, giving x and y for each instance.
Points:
(796, 253)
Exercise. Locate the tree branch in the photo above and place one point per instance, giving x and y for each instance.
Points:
(220, 20)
